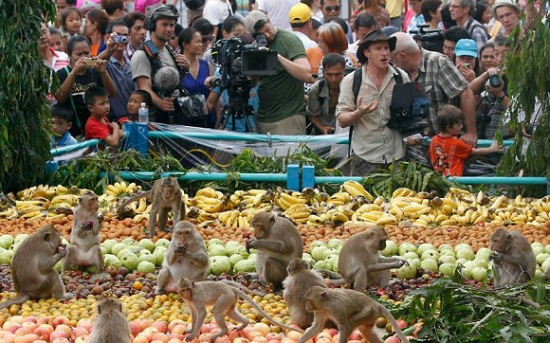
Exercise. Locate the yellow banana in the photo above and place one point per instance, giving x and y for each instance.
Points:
(421, 222)
(338, 218)
(298, 199)
(388, 219)
(379, 201)
(207, 192)
(356, 189)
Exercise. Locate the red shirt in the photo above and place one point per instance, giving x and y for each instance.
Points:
(448, 155)
(99, 129)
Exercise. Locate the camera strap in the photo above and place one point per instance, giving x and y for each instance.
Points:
(78, 123)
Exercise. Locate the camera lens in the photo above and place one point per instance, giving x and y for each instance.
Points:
(495, 81)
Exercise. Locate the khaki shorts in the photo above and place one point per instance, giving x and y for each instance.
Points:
(294, 125)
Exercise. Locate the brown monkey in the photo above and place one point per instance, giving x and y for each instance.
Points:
(349, 309)
(278, 242)
(299, 280)
(224, 297)
(110, 325)
(186, 257)
(32, 267)
(360, 263)
(513, 258)
(165, 196)
(85, 237)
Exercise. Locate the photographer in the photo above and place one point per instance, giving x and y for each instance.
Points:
(281, 96)
(82, 74)
(155, 54)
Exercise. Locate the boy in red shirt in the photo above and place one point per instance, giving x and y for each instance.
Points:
(98, 126)
(447, 152)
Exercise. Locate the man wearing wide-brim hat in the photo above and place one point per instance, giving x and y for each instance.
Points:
(374, 144)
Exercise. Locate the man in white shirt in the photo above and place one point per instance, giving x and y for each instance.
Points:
(300, 21)
(277, 11)
(215, 11)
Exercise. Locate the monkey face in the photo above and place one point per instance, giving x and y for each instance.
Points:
(499, 241)
(51, 237)
(296, 265)
(167, 191)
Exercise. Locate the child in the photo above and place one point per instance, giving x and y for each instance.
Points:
(71, 21)
(447, 152)
(98, 125)
(134, 103)
(62, 120)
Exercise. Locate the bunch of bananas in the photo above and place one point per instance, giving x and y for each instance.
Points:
(355, 189)
(211, 200)
(298, 212)
(121, 189)
(236, 218)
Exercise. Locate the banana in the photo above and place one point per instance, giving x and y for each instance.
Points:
(342, 197)
(293, 199)
(387, 219)
(282, 203)
(358, 224)
(314, 219)
(60, 190)
(205, 216)
(207, 192)
(213, 208)
(450, 203)
(338, 218)
(369, 208)
(32, 214)
(402, 192)
(421, 222)
(498, 202)
(448, 222)
(379, 201)
(300, 215)
(112, 190)
(142, 205)
(131, 188)
(440, 218)
(356, 189)
(396, 211)
(232, 220)
(458, 191)
(140, 217)
(297, 208)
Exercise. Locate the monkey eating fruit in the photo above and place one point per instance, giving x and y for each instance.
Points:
(34, 276)
(513, 258)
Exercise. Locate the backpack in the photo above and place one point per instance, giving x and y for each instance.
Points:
(357, 78)
(194, 4)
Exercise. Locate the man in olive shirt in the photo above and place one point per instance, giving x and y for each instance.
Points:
(281, 108)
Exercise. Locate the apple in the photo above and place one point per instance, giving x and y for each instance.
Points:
(316, 244)
(318, 252)
(447, 269)
(479, 273)
(20, 238)
(146, 243)
(6, 256)
(78, 332)
(430, 253)
(329, 252)
(208, 244)
(411, 255)
(463, 246)
(429, 264)
(542, 257)
(465, 253)
(424, 247)
(406, 247)
(160, 326)
(483, 253)
(406, 272)
(6, 241)
(415, 262)
(390, 249)
(446, 259)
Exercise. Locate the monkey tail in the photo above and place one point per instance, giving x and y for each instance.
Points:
(243, 295)
(244, 289)
(121, 207)
(329, 274)
(393, 322)
(21, 298)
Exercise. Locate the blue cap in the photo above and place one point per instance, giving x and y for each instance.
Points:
(466, 47)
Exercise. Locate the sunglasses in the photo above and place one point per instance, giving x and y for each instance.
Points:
(207, 39)
(331, 8)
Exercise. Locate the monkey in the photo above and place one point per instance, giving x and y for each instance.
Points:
(32, 268)
(299, 280)
(224, 297)
(110, 325)
(85, 248)
(513, 258)
(165, 196)
(186, 257)
(278, 242)
(349, 309)
(360, 263)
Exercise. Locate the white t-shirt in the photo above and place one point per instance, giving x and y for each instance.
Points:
(306, 41)
(277, 11)
(215, 11)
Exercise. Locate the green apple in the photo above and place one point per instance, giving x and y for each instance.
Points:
(424, 247)
(148, 244)
(390, 249)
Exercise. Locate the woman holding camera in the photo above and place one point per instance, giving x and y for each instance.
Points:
(82, 74)
(197, 80)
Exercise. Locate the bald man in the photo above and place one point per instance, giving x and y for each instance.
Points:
(442, 81)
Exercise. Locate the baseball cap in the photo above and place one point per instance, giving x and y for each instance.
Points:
(466, 47)
(500, 3)
(299, 13)
(255, 20)
(164, 12)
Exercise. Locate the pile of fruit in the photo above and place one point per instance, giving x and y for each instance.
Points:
(352, 206)
(436, 235)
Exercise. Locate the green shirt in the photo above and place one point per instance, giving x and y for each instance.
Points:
(281, 95)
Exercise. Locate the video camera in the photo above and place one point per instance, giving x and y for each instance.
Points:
(237, 61)
(430, 39)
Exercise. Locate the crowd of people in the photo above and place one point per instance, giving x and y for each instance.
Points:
(332, 75)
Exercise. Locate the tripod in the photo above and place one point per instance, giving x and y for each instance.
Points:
(238, 117)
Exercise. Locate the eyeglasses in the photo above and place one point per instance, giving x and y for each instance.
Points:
(207, 39)
(331, 8)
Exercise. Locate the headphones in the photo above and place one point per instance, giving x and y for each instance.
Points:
(150, 22)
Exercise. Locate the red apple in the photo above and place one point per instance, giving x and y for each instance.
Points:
(159, 336)
(175, 322)
(44, 331)
(44, 320)
(140, 339)
(355, 335)
(79, 331)
(61, 320)
(273, 337)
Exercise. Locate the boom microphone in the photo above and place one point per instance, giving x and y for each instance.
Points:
(166, 80)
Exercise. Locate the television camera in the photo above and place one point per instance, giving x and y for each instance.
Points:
(429, 39)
